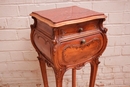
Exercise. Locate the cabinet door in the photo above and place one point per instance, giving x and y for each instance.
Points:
(80, 50)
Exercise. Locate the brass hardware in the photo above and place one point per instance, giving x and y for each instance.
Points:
(83, 41)
(80, 30)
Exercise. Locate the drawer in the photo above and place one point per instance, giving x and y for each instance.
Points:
(78, 28)
(80, 50)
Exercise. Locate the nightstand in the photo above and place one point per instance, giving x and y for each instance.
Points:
(68, 38)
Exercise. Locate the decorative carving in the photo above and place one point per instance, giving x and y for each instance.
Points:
(60, 72)
(35, 23)
(48, 64)
(54, 41)
(72, 53)
(78, 67)
(104, 30)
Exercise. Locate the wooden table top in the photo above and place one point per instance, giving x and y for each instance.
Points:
(67, 15)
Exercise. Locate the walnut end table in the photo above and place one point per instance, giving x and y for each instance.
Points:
(68, 38)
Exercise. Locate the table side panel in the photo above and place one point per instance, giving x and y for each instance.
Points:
(45, 28)
(43, 44)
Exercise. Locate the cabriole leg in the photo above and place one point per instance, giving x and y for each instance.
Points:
(74, 77)
(59, 77)
(43, 71)
(94, 67)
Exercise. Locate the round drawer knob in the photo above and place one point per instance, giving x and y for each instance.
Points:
(80, 30)
(83, 41)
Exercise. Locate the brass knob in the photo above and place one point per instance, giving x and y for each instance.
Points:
(83, 41)
(80, 30)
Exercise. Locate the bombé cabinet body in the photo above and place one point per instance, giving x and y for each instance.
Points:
(68, 38)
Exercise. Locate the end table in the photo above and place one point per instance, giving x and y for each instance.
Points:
(68, 38)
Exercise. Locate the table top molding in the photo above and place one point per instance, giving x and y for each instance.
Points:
(60, 17)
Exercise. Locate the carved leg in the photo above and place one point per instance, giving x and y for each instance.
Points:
(43, 71)
(59, 77)
(74, 77)
(94, 67)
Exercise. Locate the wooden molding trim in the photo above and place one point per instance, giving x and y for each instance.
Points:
(52, 24)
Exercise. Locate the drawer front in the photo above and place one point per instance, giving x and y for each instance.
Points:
(78, 28)
(80, 50)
